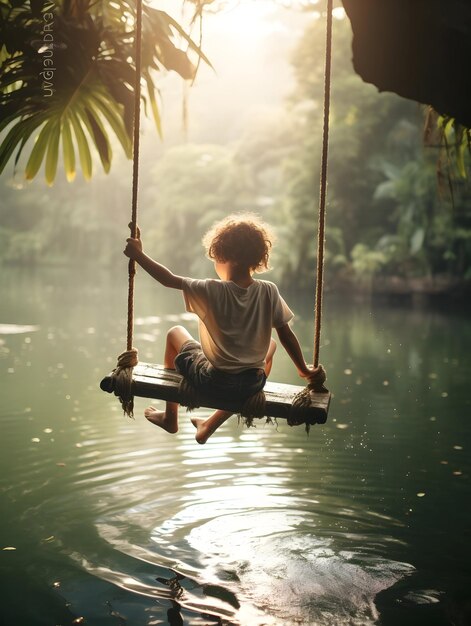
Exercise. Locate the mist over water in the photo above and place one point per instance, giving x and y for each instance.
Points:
(363, 521)
(107, 521)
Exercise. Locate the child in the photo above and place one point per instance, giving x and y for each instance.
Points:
(236, 317)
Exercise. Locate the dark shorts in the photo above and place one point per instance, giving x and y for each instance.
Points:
(191, 363)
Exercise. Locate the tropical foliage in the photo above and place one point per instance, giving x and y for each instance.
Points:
(454, 143)
(67, 76)
(384, 216)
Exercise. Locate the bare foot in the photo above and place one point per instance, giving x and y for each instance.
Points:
(202, 434)
(160, 418)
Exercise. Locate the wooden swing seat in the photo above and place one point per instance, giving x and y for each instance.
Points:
(155, 381)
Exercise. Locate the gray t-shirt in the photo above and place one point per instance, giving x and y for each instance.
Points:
(235, 322)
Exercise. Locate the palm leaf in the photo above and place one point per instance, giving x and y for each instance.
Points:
(37, 154)
(68, 150)
(82, 144)
(153, 103)
(93, 44)
(52, 152)
(17, 137)
(97, 101)
(31, 124)
(98, 133)
(167, 20)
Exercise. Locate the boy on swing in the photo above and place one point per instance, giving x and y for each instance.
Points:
(236, 316)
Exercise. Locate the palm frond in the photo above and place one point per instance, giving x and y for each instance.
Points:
(89, 92)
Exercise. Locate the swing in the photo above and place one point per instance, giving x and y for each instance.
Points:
(298, 405)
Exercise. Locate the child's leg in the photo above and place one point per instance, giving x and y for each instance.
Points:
(168, 419)
(206, 427)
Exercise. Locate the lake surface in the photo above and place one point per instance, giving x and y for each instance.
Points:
(109, 521)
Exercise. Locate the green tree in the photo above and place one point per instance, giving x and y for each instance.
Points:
(384, 213)
(198, 184)
(39, 224)
(66, 76)
(429, 234)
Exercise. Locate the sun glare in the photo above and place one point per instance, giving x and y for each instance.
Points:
(248, 19)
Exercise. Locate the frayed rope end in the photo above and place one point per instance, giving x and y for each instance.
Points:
(122, 380)
(302, 400)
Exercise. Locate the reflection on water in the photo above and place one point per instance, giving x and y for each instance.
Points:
(243, 546)
(365, 521)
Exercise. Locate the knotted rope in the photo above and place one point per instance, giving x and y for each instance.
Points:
(253, 406)
(122, 374)
(303, 399)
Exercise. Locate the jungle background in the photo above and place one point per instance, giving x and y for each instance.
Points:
(106, 521)
(399, 209)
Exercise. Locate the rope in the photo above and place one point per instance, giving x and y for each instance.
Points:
(135, 169)
(323, 187)
(122, 374)
(253, 406)
(121, 380)
(303, 399)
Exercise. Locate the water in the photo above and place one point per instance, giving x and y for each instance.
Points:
(107, 521)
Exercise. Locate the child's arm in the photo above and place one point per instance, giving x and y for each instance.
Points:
(290, 343)
(161, 274)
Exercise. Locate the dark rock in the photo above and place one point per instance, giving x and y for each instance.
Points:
(419, 49)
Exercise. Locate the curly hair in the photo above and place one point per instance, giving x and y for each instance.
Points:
(242, 239)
